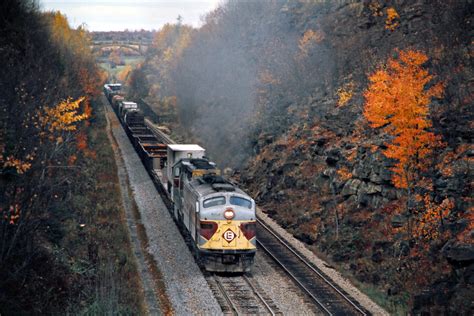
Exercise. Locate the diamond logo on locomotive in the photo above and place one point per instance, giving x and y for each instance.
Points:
(228, 235)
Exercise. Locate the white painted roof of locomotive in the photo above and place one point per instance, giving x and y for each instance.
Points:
(204, 189)
(185, 147)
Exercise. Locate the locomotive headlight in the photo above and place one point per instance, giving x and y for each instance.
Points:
(229, 214)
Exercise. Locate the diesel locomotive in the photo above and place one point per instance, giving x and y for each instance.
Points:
(219, 216)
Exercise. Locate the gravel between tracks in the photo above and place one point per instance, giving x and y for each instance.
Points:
(286, 296)
(335, 276)
(186, 287)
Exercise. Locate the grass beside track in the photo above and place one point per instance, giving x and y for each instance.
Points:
(116, 287)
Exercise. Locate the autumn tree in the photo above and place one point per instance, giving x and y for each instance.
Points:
(397, 101)
(74, 47)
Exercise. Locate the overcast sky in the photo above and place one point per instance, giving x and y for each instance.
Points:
(118, 15)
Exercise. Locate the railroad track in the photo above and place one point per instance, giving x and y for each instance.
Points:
(159, 133)
(241, 295)
(323, 292)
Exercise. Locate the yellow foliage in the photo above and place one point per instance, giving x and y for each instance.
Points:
(124, 73)
(393, 19)
(170, 43)
(75, 39)
(60, 27)
(62, 117)
(345, 93)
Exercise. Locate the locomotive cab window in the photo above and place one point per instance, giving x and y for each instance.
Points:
(218, 200)
(236, 200)
(176, 172)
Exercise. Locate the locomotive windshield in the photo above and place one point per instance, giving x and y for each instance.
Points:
(235, 200)
(218, 200)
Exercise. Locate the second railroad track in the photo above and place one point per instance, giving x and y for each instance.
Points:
(323, 292)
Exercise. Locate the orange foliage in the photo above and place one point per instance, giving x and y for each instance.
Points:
(344, 173)
(82, 145)
(432, 217)
(455, 162)
(311, 227)
(88, 82)
(19, 165)
(392, 21)
(72, 159)
(81, 140)
(308, 39)
(397, 101)
(445, 166)
(465, 235)
(75, 46)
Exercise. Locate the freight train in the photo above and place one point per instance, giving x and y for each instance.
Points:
(219, 217)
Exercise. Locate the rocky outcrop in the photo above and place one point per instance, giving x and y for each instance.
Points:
(461, 254)
(338, 167)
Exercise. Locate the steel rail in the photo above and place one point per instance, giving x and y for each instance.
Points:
(305, 262)
(268, 307)
(226, 297)
(301, 285)
(158, 132)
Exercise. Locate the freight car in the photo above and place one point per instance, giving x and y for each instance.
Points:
(111, 89)
(219, 217)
